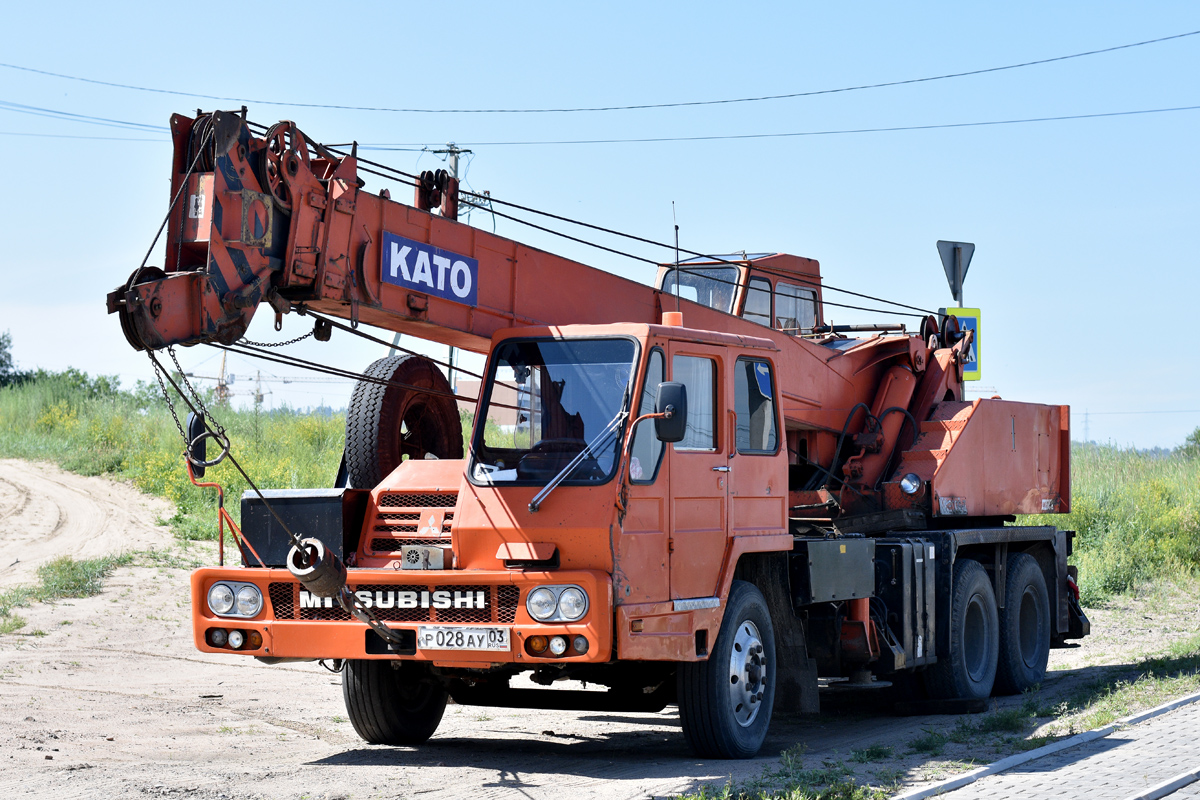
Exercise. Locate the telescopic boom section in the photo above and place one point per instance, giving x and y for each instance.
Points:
(278, 219)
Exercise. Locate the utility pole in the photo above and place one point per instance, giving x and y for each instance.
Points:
(452, 152)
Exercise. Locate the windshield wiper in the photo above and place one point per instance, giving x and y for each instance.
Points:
(612, 426)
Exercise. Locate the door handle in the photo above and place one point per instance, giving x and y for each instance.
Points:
(720, 469)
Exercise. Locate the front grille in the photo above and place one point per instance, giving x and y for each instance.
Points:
(410, 500)
(283, 604)
(394, 545)
(506, 603)
(500, 604)
(399, 528)
(392, 515)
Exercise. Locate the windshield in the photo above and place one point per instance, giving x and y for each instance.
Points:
(545, 401)
(708, 286)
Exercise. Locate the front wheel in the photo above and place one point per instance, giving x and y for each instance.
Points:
(725, 702)
(392, 706)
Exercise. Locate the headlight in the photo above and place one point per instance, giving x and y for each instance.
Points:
(572, 604)
(910, 483)
(557, 603)
(220, 598)
(249, 601)
(542, 603)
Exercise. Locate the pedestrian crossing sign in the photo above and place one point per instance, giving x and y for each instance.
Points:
(969, 320)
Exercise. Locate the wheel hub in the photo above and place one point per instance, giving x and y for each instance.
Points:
(747, 674)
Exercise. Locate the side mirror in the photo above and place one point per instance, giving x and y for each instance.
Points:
(197, 449)
(672, 400)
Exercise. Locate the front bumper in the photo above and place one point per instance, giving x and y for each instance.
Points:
(292, 625)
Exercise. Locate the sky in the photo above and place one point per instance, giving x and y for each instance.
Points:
(1085, 230)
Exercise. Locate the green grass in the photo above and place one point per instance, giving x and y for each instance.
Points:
(90, 426)
(791, 780)
(59, 579)
(1137, 517)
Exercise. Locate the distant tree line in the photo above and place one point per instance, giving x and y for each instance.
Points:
(9, 374)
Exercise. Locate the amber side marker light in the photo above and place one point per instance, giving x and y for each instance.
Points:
(537, 644)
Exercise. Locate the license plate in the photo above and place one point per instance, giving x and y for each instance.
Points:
(458, 637)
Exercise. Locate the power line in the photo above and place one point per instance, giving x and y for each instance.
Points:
(644, 106)
(71, 116)
(163, 140)
(727, 137)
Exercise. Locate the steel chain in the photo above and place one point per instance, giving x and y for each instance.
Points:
(217, 427)
(275, 344)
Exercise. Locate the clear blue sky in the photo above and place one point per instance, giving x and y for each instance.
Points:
(1086, 230)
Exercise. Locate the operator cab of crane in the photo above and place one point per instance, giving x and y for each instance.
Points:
(775, 290)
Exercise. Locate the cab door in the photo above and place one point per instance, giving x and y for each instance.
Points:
(698, 475)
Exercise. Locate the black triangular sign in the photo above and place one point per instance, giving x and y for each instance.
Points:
(946, 251)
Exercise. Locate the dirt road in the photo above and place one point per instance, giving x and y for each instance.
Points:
(106, 697)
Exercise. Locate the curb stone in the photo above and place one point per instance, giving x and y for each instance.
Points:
(950, 784)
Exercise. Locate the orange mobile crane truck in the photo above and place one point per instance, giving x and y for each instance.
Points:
(695, 493)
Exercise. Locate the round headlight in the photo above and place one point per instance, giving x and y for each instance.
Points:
(220, 598)
(541, 604)
(572, 604)
(910, 483)
(249, 601)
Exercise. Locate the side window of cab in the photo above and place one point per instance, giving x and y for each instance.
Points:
(699, 375)
(646, 453)
(755, 406)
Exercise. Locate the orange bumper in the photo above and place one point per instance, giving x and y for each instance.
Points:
(294, 625)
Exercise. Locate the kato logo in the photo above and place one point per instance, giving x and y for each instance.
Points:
(392, 598)
(430, 270)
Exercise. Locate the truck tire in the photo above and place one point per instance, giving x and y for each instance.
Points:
(386, 423)
(1024, 626)
(392, 706)
(719, 718)
(968, 671)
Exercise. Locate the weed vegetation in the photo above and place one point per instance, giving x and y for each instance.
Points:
(1137, 516)
(61, 578)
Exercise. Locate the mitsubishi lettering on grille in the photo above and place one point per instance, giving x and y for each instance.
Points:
(459, 598)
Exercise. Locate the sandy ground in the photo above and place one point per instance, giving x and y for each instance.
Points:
(105, 697)
(45, 512)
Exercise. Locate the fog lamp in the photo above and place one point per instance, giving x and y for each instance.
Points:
(558, 645)
(236, 639)
(581, 644)
(218, 637)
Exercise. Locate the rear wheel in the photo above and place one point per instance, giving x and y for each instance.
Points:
(725, 702)
(386, 424)
(1024, 626)
(392, 706)
(968, 671)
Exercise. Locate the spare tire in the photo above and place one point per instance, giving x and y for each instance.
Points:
(389, 423)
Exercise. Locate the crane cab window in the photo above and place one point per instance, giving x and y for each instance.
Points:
(699, 375)
(754, 403)
(758, 302)
(709, 286)
(647, 449)
(795, 308)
